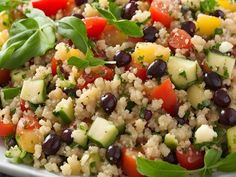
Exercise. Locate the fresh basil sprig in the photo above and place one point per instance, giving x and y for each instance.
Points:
(9, 5)
(212, 162)
(113, 16)
(29, 38)
(208, 5)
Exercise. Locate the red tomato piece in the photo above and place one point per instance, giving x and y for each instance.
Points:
(141, 71)
(179, 39)
(128, 163)
(95, 26)
(135, 40)
(165, 92)
(190, 159)
(160, 12)
(50, 7)
(27, 122)
(7, 129)
(4, 76)
(54, 66)
(96, 72)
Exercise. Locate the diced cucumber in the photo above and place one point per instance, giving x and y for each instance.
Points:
(220, 63)
(34, 91)
(16, 155)
(18, 76)
(66, 84)
(90, 162)
(171, 141)
(183, 72)
(231, 139)
(80, 137)
(7, 94)
(196, 96)
(102, 132)
(65, 110)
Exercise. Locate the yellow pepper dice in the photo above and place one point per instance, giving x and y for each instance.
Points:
(4, 21)
(207, 24)
(227, 4)
(148, 52)
(4, 35)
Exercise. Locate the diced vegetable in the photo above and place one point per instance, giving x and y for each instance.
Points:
(182, 72)
(54, 65)
(4, 35)
(222, 64)
(148, 52)
(34, 91)
(171, 141)
(103, 132)
(90, 163)
(4, 21)
(196, 96)
(18, 76)
(165, 92)
(50, 7)
(65, 110)
(28, 134)
(160, 12)
(95, 26)
(7, 94)
(227, 4)
(203, 22)
(6, 129)
(179, 39)
(231, 139)
(80, 137)
(141, 71)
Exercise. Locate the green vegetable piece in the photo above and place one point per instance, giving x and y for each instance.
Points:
(228, 163)
(10, 93)
(171, 141)
(208, 5)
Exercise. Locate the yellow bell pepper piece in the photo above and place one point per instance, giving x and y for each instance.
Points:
(227, 4)
(4, 35)
(207, 24)
(4, 21)
(148, 52)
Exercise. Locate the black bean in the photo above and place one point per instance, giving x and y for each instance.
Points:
(10, 142)
(122, 58)
(51, 144)
(219, 13)
(221, 98)
(80, 2)
(228, 116)
(212, 80)
(189, 27)
(113, 155)
(171, 158)
(129, 10)
(181, 121)
(157, 69)
(66, 136)
(147, 114)
(108, 102)
(150, 34)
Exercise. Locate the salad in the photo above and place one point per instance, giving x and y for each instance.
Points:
(119, 88)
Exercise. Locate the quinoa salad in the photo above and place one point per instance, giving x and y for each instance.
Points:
(115, 88)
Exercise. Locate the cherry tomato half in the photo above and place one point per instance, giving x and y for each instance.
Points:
(179, 39)
(160, 12)
(4, 77)
(50, 7)
(190, 158)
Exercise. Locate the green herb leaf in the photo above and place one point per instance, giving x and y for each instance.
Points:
(74, 29)
(29, 38)
(79, 63)
(218, 31)
(228, 163)
(9, 5)
(208, 5)
(113, 16)
(159, 168)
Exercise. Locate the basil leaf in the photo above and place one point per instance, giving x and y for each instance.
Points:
(115, 10)
(105, 13)
(228, 163)
(129, 27)
(211, 157)
(208, 5)
(9, 5)
(74, 29)
(79, 63)
(29, 38)
(159, 168)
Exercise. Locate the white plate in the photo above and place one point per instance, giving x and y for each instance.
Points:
(27, 171)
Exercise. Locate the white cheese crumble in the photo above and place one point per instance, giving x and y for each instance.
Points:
(225, 47)
(205, 133)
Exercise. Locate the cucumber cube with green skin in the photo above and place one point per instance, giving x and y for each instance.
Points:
(103, 132)
(91, 162)
(34, 91)
(18, 76)
(231, 139)
(80, 137)
(221, 64)
(16, 155)
(183, 72)
(7, 94)
(171, 141)
(65, 110)
(196, 96)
